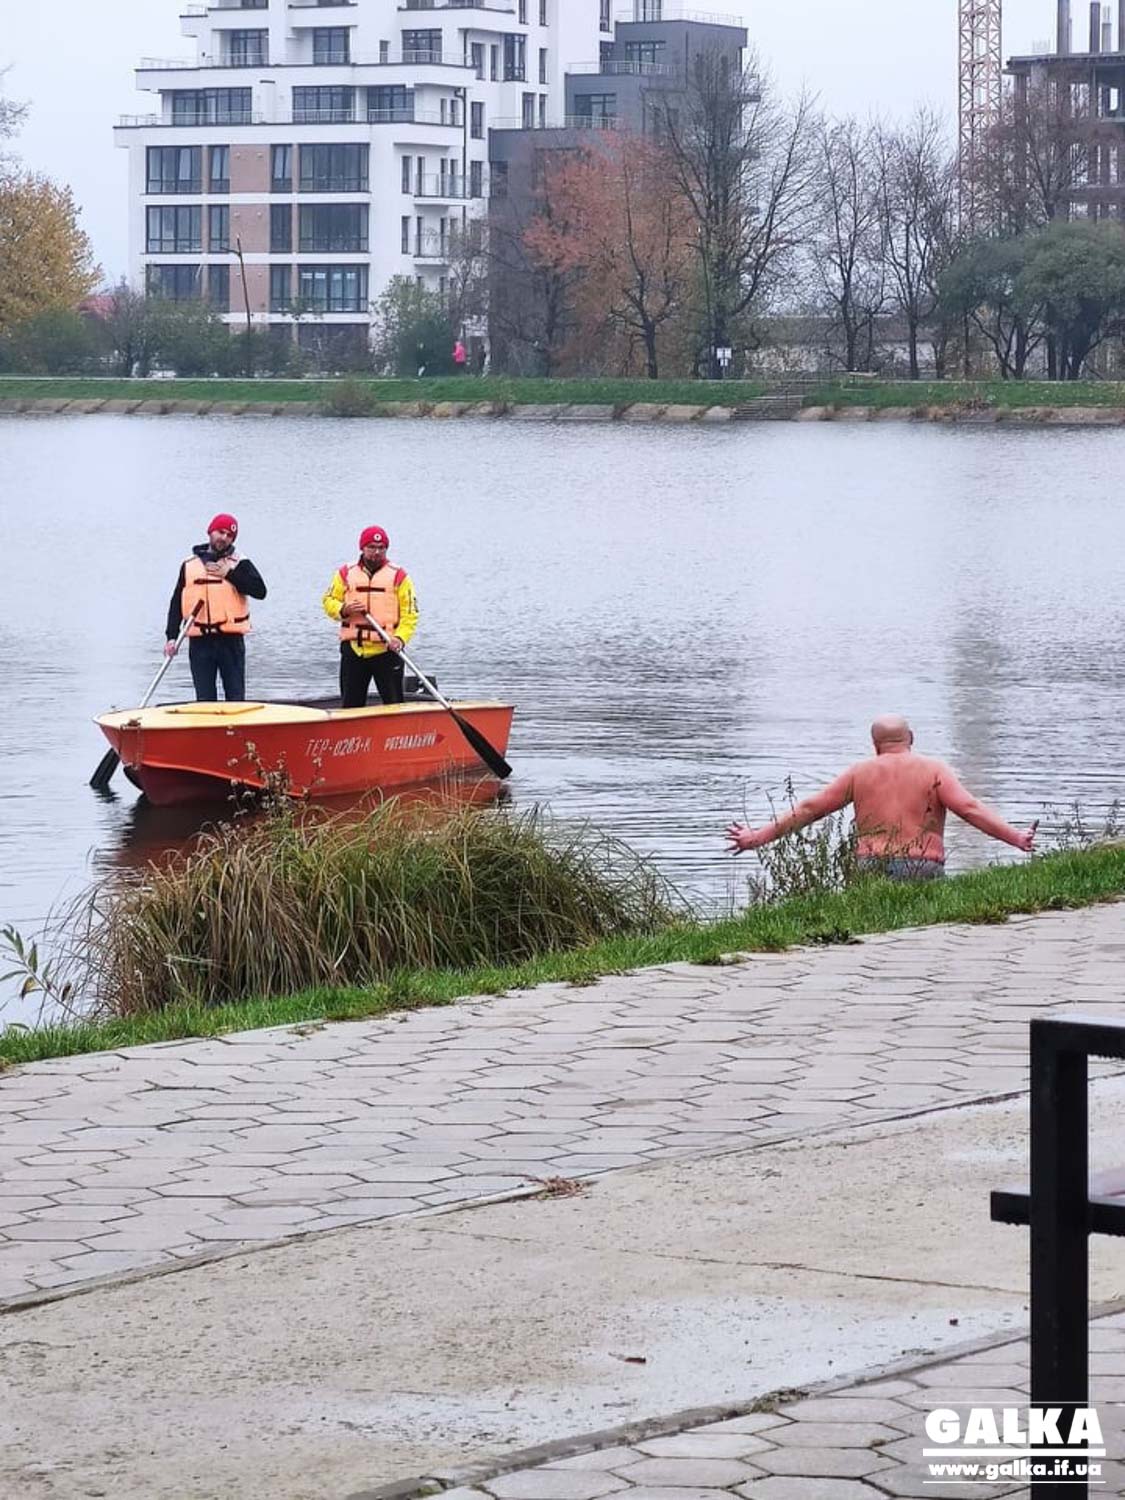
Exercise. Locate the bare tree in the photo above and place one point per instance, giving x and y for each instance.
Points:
(12, 115)
(848, 270)
(531, 286)
(917, 188)
(625, 225)
(1037, 156)
(746, 168)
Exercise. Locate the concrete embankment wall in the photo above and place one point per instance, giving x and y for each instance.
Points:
(639, 412)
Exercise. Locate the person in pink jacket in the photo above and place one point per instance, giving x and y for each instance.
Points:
(900, 800)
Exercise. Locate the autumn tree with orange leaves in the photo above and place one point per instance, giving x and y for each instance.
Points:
(622, 224)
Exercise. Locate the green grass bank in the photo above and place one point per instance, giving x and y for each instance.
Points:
(502, 391)
(1056, 883)
(993, 394)
(498, 390)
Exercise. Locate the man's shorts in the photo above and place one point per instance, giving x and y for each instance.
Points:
(901, 869)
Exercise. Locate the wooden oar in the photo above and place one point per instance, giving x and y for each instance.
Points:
(109, 762)
(488, 753)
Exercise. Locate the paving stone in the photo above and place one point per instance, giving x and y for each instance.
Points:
(832, 1435)
(838, 1408)
(602, 1459)
(688, 1473)
(823, 1463)
(554, 1484)
(754, 1421)
(783, 1487)
(703, 1445)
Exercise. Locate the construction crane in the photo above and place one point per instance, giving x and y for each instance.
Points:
(981, 86)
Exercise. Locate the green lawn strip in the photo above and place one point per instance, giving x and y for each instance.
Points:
(1059, 882)
(499, 390)
(1009, 394)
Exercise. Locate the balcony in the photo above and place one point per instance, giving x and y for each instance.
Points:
(445, 188)
(649, 11)
(431, 246)
(427, 118)
(615, 67)
(567, 122)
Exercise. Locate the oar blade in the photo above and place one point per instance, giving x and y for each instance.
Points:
(102, 777)
(487, 752)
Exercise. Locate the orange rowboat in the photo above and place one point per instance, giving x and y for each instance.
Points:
(191, 752)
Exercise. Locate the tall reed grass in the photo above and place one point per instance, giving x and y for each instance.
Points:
(299, 899)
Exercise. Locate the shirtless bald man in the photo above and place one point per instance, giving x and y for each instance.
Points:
(900, 801)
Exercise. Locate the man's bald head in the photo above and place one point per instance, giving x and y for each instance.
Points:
(890, 732)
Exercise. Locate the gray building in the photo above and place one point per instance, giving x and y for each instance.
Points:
(642, 68)
(633, 86)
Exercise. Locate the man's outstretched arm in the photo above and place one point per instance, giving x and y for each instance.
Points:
(962, 802)
(834, 796)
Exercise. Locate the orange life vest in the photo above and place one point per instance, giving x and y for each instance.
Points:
(378, 593)
(225, 611)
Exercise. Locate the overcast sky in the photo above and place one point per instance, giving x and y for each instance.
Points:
(72, 59)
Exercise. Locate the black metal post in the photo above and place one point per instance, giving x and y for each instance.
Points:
(1059, 1229)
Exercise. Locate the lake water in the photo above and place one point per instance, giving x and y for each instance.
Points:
(683, 616)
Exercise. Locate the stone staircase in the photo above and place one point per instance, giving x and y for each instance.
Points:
(779, 404)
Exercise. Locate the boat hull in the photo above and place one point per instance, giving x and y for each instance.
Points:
(197, 752)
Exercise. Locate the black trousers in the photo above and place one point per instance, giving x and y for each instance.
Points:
(358, 672)
(218, 656)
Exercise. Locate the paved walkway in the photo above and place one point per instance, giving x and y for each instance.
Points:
(119, 1162)
(859, 1442)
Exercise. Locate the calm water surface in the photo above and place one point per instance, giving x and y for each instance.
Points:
(683, 617)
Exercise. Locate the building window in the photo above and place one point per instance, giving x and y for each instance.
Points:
(218, 228)
(384, 52)
(218, 287)
(174, 169)
(515, 59)
(644, 52)
(406, 174)
(543, 12)
(603, 20)
(331, 44)
(281, 288)
(406, 234)
(212, 107)
(248, 49)
(542, 111)
(542, 65)
(333, 289)
(332, 228)
(312, 106)
(389, 103)
(334, 169)
(476, 179)
(173, 283)
(421, 46)
(527, 118)
(522, 16)
(281, 169)
(218, 169)
(477, 55)
(498, 179)
(174, 231)
(281, 228)
(595, 109)
(476, 121)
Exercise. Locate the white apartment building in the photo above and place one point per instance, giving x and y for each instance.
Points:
(339, 142)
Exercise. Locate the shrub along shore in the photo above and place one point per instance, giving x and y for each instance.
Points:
(1055, 883)
(498, 395)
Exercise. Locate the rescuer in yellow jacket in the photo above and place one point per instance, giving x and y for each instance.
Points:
(371, 586)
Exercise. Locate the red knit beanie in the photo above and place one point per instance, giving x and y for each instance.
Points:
(373, 536)
(223, 522)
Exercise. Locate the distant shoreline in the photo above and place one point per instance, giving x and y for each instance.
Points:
(849, 399)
